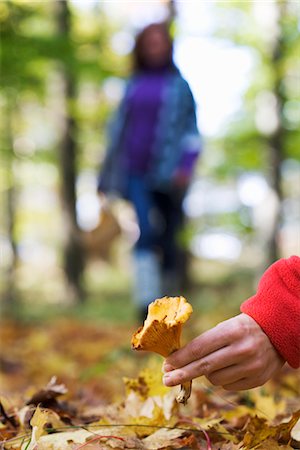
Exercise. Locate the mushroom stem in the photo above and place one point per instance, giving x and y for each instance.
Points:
(185, 392)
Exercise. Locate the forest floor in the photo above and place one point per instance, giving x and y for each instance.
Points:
(103, 395)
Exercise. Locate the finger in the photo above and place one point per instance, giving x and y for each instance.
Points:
(243, 384)
(228, 375)
(212, 363)
(208, 342)
(255, 370)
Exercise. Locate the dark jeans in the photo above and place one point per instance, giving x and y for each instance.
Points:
(160, 217)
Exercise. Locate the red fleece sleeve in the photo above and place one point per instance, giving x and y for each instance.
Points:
(276, 307)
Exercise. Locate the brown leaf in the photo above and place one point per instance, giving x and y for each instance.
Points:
(272, 444)
(258, 430)
(50, 392)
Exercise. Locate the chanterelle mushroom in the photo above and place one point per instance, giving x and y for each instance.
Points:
(162, 330)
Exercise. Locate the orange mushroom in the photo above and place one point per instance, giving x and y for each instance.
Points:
(162, 330)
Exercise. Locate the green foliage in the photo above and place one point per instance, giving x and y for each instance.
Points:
(276, 64)
(33, 55)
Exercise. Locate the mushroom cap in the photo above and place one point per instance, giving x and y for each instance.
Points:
(162, 328)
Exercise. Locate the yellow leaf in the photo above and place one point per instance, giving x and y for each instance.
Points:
(148, 398)
(236, 413)
(257, 431)
(147, 384)
(266, 406)
(154, 411)
(40, 418)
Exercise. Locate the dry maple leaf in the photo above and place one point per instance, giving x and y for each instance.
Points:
(162, 330)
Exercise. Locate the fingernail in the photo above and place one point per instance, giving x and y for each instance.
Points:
(167, 368)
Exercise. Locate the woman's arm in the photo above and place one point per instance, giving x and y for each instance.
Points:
(276, 307)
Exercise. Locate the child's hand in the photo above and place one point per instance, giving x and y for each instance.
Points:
(236, 354)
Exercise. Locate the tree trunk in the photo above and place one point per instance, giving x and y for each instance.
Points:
(73, 251)
(10, 293)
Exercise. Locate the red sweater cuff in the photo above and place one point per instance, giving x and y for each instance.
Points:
(276, 307)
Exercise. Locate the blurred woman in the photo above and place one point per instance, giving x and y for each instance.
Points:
(153, 147)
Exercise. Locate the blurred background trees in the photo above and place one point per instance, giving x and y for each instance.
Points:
(48, 62)
(63, 67)
(267, 132)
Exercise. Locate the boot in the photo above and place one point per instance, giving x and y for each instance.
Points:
(147, 280)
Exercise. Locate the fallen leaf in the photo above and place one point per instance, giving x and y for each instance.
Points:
(39, 421)
(49, 392)
(97, 402)
(107, 437)
(295, 431)
(148, 383)
(266, 405)
(259, 430)
(162, 438)
(272, 444)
